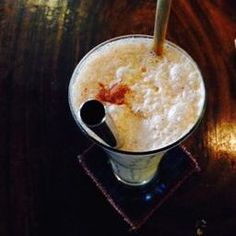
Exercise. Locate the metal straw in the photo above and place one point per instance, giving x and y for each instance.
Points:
(94, 116)
(161, 21)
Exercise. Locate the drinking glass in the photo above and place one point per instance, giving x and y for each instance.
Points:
(130, 167)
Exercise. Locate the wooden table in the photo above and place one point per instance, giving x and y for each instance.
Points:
(42, 189)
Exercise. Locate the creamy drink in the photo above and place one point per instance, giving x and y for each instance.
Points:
(154, 101)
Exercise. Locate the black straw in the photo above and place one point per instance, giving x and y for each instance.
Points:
(93, 115)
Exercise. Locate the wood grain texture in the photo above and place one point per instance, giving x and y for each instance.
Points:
(42, 190)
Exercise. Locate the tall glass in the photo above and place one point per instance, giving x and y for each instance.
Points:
(131, 167)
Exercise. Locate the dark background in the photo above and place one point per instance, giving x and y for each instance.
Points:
(43, 190)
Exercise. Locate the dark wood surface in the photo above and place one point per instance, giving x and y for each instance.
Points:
(43, 191)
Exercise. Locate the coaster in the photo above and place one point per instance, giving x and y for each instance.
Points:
(137, 204)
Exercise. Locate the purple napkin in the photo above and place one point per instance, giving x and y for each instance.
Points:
(137, 204)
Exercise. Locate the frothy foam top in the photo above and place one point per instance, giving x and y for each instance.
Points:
(154, 101)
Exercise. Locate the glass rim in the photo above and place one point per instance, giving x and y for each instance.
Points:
(128, 152)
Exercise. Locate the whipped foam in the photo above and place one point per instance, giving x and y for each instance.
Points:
(165, 95)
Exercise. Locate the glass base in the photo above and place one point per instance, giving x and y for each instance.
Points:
(133, 183)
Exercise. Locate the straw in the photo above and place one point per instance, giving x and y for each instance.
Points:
(161, 21)
(95, 117)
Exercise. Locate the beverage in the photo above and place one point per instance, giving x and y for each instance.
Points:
(155, 102)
